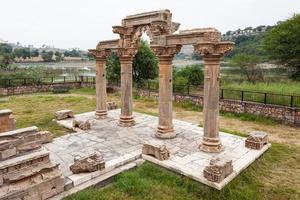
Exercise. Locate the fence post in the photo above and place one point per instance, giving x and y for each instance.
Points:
(292, 101)
(9, 82)
(242, 95)
(222, 93)
(52, 79)
(64, 79)
(24, 81)
(148, 87)
(265, 101)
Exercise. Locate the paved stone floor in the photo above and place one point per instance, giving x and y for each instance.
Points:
(120, 146)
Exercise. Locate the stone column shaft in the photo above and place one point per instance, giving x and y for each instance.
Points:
(165, 123)
(211, 141)
(126, 118)
(101, 110)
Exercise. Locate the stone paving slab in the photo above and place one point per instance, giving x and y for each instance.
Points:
(120, 146)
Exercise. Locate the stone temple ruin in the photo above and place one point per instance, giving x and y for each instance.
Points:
(165, 43)
(110, 140)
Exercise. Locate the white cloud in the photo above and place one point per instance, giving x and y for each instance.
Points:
(77, 23)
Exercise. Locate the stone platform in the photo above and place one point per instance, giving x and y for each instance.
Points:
(120, 146)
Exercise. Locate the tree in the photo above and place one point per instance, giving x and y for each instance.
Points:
(47, 56)
(113, 69)
(6, 56)
(145, 64)
(35, 53)
(58, 56)
(192, 74)
(283, 44)
(249, 67)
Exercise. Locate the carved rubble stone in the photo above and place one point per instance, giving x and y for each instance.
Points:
(112, 105)
(26, 171)
(157, 150)
(64, 114)
(256, 140)
(7, 121)
(31, 176)
(218, 169)
(91, 163)
(83, 125)
(19, 141)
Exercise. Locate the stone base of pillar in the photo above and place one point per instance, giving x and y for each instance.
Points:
(101, 114)
(164, 132)
(211, 145)
(126, 121)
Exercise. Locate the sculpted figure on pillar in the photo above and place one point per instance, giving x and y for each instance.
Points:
(212, 53)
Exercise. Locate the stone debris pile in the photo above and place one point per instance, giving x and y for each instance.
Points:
(89, 163)
(256, 140)
(157, 150)
(218, 169)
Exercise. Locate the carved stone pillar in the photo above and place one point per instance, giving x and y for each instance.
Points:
(101, 109)
(126, 118)
(165, 116)
(100, 56)
(212, 53)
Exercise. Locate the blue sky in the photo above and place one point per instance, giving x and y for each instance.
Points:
(78, 23)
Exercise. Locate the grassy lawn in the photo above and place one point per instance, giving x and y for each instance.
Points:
(274, 176)
(270, 177)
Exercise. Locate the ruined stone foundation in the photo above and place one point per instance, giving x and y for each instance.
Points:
(26, 171)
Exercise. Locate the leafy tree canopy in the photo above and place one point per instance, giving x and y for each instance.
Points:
(283, 44)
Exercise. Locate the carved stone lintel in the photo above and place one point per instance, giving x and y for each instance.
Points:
(89, 163)
(256, 140)
(126, 52)
(159, 151)
(100, 53)
(166, 50)
(218, 169)
(213, 49)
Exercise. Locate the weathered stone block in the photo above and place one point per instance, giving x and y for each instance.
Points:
(256, 140)
(45, 136)
(30, 176)
(64, 114)
(218, 169)
(7, 121)
(157, 150)
(89, 163)
(112, 105)
(7, 150)
(83, 125)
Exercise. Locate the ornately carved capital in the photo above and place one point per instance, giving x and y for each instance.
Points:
(213, 48)
(166, 50)
(126, 52)
(100, 54)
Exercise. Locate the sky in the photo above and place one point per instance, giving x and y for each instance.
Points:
(83, 23)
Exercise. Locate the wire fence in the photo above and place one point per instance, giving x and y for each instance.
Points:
(193, 90)
(5, 83)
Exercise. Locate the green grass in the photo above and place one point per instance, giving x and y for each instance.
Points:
(283, 87)
(249, 117)
(152, 182)
(84, 91)
(38, 110)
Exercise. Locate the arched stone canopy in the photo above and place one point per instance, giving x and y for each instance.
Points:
(165, 43)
